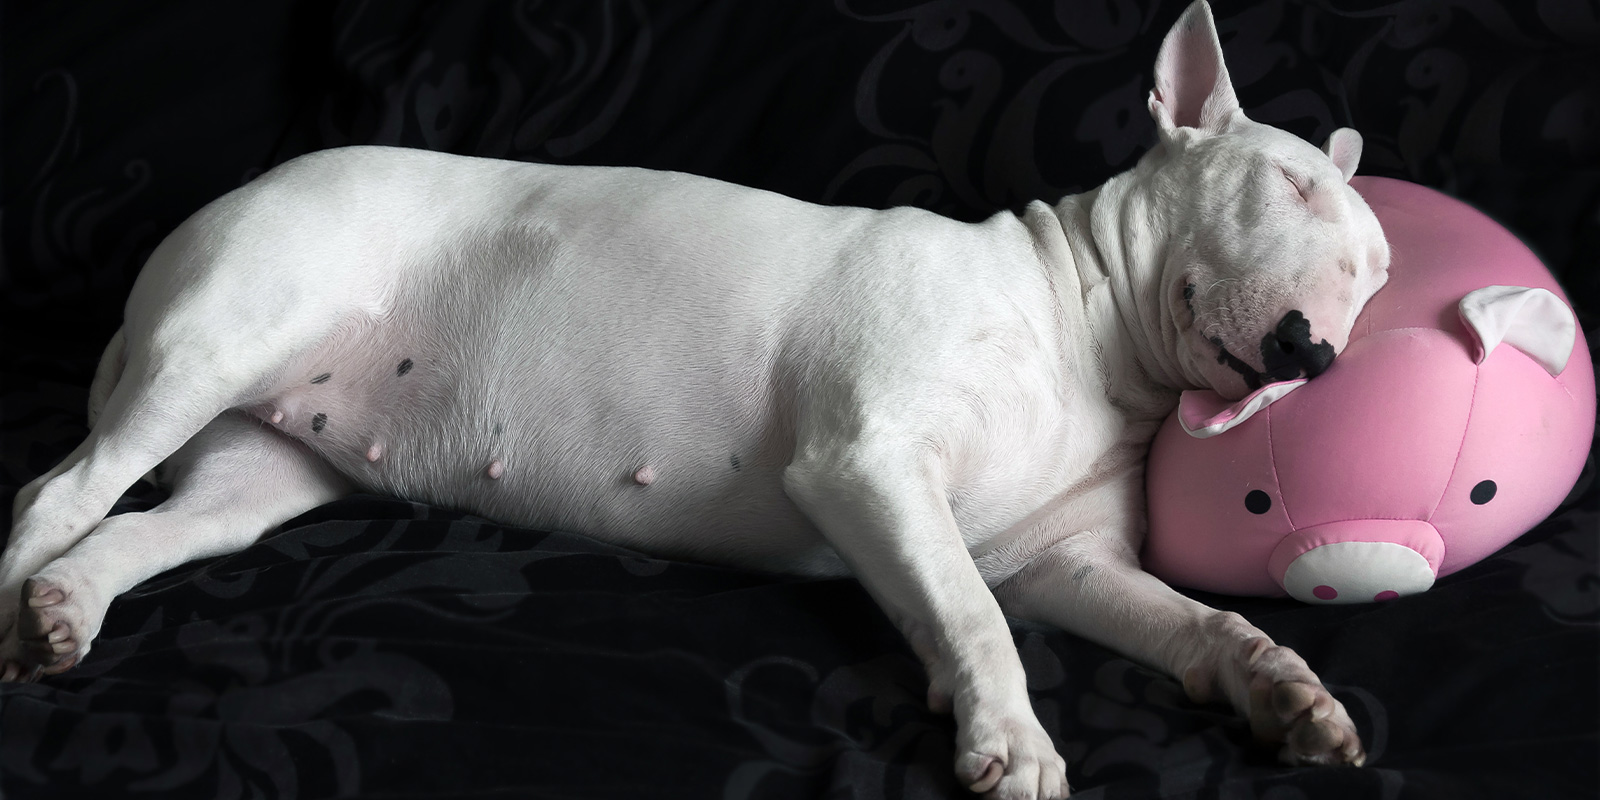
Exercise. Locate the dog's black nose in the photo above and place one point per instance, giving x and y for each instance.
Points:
(1289, 353)
(1285, 346)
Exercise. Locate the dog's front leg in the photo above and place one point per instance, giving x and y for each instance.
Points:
(1091, 584)
(882, 506)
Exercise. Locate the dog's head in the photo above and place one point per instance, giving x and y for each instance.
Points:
(1271, 254)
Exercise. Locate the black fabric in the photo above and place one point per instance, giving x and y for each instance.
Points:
(380, 648)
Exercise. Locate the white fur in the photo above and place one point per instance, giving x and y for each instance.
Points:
(715, 372)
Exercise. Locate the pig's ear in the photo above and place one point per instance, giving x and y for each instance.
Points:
(1192, 85)
(1534, 321)
(1204, 413)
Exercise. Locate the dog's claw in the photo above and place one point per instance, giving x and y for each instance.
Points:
(42, 599)
(58, 667)
(988, 773)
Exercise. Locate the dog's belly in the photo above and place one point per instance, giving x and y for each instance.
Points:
(568, 404)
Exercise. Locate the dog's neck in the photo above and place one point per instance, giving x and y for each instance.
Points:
(1137, 350)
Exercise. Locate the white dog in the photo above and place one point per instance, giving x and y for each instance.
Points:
(712, 372)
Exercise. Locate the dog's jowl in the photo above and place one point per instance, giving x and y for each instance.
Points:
(957, 414)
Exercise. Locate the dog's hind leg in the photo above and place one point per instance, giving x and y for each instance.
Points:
(143, 423)
(231, 483)
(210, 322)
(1090, 584)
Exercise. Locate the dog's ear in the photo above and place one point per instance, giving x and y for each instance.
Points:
(1192, 85)
(1344, 147)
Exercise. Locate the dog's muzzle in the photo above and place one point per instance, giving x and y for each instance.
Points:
(1287, 353)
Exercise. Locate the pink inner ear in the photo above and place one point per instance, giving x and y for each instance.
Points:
(1204, 413)
(1192, 84)
(1344, 148)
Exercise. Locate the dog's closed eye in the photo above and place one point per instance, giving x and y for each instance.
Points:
(1304, 186)
(1307, 188)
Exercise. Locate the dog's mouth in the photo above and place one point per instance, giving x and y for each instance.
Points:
(1252, 378)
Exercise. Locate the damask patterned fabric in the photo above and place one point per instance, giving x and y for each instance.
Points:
(381, 648)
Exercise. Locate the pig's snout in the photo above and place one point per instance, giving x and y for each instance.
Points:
(1358, 561)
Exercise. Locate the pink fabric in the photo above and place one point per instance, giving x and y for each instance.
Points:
(1415, 534)
(1204, 414)
(1401, 428)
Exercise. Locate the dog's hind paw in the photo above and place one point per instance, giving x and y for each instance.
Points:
(53, 629)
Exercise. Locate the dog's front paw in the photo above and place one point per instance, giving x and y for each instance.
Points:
(1010, 756)
(1289, 707)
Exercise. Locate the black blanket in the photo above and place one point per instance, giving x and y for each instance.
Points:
(381, 648)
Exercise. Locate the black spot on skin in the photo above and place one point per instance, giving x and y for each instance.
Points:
(1252, 379)
(1483, 492)
(1258, 502)
(1288, 352)
(1083, 572)
(319, 422)
(405, 366)
(323, 378)
(497, 429)
(734, 460)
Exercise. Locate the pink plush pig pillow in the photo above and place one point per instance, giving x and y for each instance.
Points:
(1457, 418)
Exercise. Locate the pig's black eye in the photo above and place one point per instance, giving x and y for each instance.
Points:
(1258, 502)
(1483, 492)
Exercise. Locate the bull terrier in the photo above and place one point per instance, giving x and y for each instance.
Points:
(956, 414)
